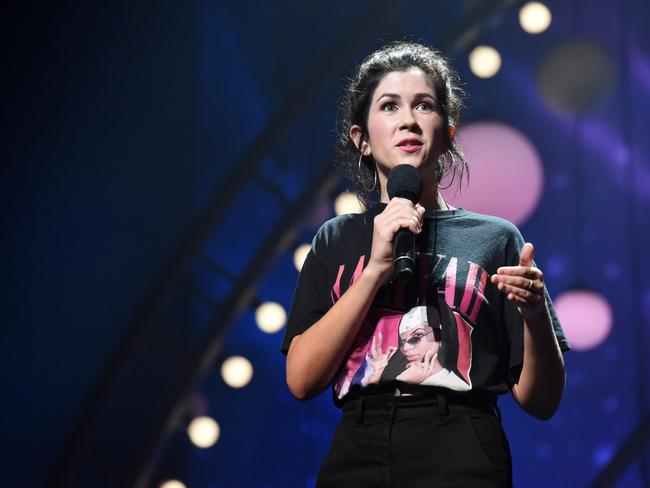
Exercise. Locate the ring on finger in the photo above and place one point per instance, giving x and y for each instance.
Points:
(530, 284)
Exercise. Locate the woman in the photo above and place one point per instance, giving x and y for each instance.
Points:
(499, 331)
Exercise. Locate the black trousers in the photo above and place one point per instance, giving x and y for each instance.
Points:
(392, 441)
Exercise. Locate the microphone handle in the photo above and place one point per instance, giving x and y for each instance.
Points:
(404, 252)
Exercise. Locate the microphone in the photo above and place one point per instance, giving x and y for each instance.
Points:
(404, 181)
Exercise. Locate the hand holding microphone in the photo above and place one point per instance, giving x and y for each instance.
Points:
(404, 182)
(393, 245)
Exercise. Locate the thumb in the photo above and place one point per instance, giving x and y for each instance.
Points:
(526, 255)
(420, 210)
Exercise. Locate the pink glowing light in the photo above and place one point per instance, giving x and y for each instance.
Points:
(506, 174)
(586, 318)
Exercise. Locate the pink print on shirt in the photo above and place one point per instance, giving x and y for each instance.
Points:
(335, 294)
(424, 345)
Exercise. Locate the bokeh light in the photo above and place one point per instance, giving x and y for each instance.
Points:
(204, 432)
(575, 76)
(172, 484)
(300, 254)
(534, 17)
(484, 61)
(237, 371)
(270, 317)
(346, 203)
(507, 175)
(586, 318)
(602, 454)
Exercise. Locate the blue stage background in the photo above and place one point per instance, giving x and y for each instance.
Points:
(122, 122)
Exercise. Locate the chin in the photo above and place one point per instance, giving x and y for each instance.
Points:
(422, 166)
(413, 161)
(417, 162)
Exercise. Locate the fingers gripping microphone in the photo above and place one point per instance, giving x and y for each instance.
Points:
(404, 181)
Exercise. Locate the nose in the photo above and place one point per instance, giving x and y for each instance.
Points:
(407, 120)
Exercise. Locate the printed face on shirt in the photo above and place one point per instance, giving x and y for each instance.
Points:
(405, 124)
(415, 342)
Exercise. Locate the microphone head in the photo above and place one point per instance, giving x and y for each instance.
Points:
(404, 181)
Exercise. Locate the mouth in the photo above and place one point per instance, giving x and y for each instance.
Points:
(410, 145)
(415, 357)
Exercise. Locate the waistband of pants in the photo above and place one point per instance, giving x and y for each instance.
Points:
(395, 395)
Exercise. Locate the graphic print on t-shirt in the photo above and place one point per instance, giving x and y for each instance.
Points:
(428, 344)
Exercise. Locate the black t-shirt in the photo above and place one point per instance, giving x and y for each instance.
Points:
(448, 327)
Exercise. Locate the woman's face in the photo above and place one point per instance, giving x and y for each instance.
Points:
(405, 124)
(417, 341)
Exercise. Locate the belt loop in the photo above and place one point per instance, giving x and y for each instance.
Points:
(360, 411)
(441, 400)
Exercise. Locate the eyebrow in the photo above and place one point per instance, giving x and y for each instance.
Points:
(418, 329)
(395, 95)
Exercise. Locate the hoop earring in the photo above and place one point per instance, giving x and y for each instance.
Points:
(440, 166)
(440, 169)
(374, 183)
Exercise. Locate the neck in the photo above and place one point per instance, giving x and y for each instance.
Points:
(430, 199)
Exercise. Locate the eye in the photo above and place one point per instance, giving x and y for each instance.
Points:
(414, 339)
(388, 107)
(426, 106)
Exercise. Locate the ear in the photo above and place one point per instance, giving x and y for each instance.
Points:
(355, 135)
(452, 133)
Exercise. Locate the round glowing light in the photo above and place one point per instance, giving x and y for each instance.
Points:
(534, 17)
(586, 318)
(300, 254)
(204, 432)
(576, 76)
(506, 172)
(172, 484)
(270, 317)
(237, 371)
(347, 203)
(484, 61)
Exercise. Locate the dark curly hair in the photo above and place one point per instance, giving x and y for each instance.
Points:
(355, 106)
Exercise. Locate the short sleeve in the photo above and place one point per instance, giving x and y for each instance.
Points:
(514, 322)
(310, 300)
